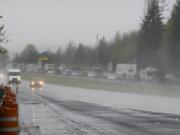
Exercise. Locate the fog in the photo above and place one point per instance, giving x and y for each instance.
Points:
(83, 67)
(52, 23)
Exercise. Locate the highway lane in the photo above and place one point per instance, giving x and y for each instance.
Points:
(114, 99)
(52, 111)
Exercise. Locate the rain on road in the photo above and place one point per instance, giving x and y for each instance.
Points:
(43, 113)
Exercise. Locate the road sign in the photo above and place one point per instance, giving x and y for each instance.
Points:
(45, 53)
(43, 58)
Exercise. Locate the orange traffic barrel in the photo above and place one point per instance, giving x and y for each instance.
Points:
(8, 121)
(10, 101)
(10, 104)
(9, 98)
(10, 94)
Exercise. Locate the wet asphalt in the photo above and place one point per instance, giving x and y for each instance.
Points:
(42, 114)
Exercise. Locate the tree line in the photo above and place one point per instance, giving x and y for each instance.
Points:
(156, 44)
(122, 49)
(4, 55)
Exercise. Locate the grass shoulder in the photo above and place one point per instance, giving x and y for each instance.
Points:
(120, 86)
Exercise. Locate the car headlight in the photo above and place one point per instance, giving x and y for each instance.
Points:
(41, 82)
(32, 83)
(1, 75)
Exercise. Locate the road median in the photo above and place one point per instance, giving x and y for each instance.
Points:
(120, 86)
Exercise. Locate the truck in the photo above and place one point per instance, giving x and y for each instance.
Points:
(13, 76)
(50, 68)
(126, 71)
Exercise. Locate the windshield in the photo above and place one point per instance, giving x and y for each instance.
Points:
(14, 73)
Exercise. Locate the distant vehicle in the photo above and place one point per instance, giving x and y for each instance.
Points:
(91, 74)
(14, 76)
(98, 71)
(67, 72)
(50, 71)
(36, 84)
(50, 68)
(110, 76)
(148, 74)
(126, 71)
(75, 73)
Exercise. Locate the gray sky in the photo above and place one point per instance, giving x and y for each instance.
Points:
(52, 23)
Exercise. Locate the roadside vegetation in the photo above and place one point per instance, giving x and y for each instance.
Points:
(108, 85)
(156, 44)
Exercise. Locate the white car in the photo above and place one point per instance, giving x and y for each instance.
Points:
(75, 73)
(91, 74)
(112, 77)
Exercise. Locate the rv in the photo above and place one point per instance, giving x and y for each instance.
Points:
(14, 76)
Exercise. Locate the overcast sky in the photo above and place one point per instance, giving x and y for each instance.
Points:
(52, 23)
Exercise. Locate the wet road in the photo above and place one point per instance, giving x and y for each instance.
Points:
(50, 114)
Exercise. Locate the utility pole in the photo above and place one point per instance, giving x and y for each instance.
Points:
(97, 49)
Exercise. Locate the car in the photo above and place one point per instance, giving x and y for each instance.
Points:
(36, 84)
(90, 74)
(67, 72)
(75, 73)
(112, 76)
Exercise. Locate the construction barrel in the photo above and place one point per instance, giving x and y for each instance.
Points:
(8, 112)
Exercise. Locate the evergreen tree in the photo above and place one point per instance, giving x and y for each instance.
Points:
(58, 56)
(69, 54)
(29, 54)
(3, 39)
(80, 55)
(174, 39)
(89, 56)
(103, 52)
(150, 36)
